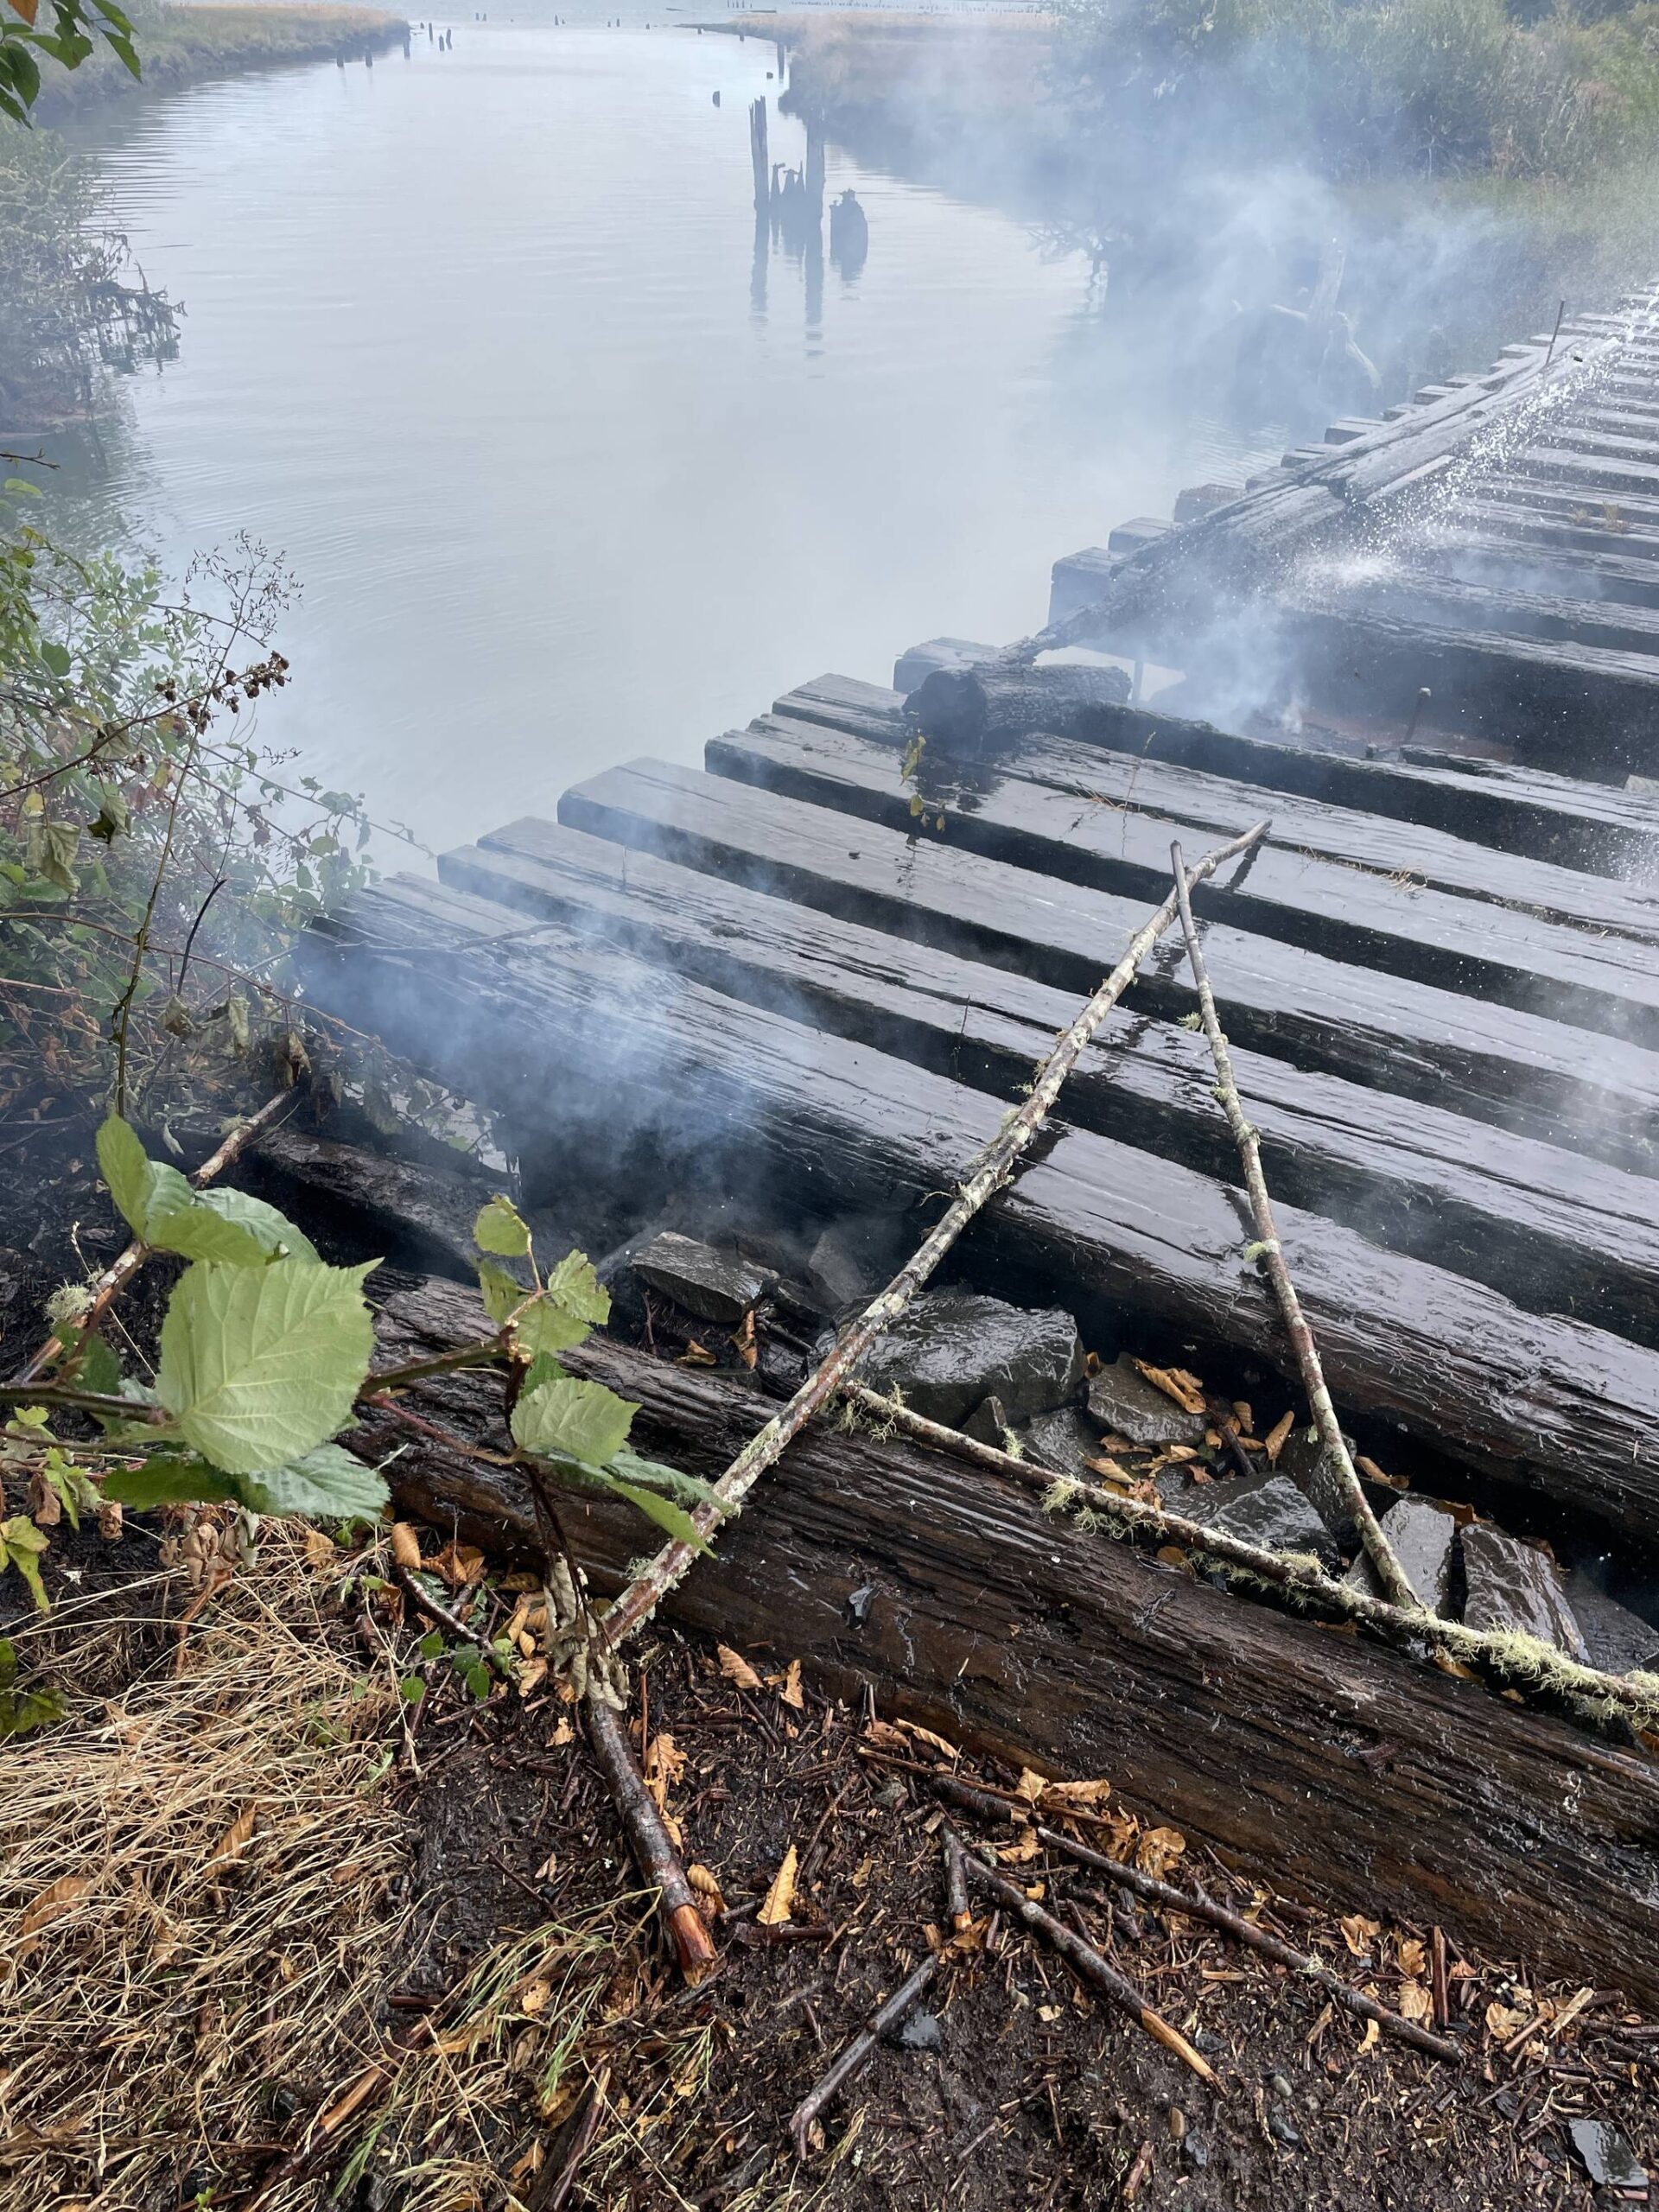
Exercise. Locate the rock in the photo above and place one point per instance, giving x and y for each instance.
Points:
(1425, 1539)
(1617, 1640)
(1608, 2158)
(715, 1286)
(853, 1258)
(1265, 1510)
(988, 1422)
(1121, 1400)
(1514, 1586)
(1064, 1440)
(955, 1349)
(921, 2031)
(1314, 1470)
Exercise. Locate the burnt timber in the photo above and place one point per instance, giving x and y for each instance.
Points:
(1367, 1776)
(806, 982)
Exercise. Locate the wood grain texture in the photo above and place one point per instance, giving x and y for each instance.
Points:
(1336, 1769)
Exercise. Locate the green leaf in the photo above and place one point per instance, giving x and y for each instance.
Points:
(57, 657)
(431, 1645)
(23, 1709)
(541, 1369)
(654, 1474)
(576, 1421)
(673, 1519)
(260, 1365)
(501, 1229)
(411, 1689)
(94, 1367)
(328, 1483)
(167, 1479)
(124, 1166)
(502, 1293)
(478, 1679)
(541, 1330)
(21, 1545)
(574, 1286)
(59, 842)
(227, 1225)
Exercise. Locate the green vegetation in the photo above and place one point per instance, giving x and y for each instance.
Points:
(182, 45)
(1373, 87)
(72, 32)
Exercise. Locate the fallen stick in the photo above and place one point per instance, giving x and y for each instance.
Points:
(658, 1859)
(127, 1264)
(552, 2189)
(1196, 1906)
(1395, 1583)
(1089, 1966)
(994, 1167)
(1521, 1661)
(856, 2055)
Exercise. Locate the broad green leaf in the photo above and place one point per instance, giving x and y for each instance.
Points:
(260, 1365)
(328, 1483)
(225, 1225)
(669, 1482)
(22, 1709)
(168, 1480)
(544, 1328)
(501, 1291)
(574, 1286)
(575, 1420)
(124, 1166)
(501, 1229)
(541, 1369)
(672, 1519)
(21, 1545)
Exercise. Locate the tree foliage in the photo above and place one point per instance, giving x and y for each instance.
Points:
(64, 31)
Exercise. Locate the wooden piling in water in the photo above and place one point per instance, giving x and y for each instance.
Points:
(758, 156)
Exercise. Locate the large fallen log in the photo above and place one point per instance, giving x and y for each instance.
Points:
(1555, 1232)
(1332, 1767)
(1503, 1065)
(1559, 819)
(682, 1089)
(1139, 782)
(1042, 818)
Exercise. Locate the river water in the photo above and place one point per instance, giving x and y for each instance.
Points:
(479, 341)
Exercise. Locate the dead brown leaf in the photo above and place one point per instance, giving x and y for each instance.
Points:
(1369, 2040)
(233, 1842)
(1359, 1933)
(737, 1669)
(52, 1902)
(1158, 1851)
(917, 1734)
(707, 1889)
(1415, 2003)
(321, 1553)
(1031, 1784)
(1075, 1797)
(1175, 1382)
(1412, 1955)
(791, 1692)
(743, 1340)
(405, 1547)
(696, 1355)
(1277, 1436)
(780, 1897)
(1243, 1415)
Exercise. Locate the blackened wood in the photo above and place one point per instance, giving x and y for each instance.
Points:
(1065, 825)
(1334, 1769)
(1558, 818)
(702, 1089)
(1535, 563)
(980, 711)
(1500, 1063)
(1100, 784)
(1553, 1230)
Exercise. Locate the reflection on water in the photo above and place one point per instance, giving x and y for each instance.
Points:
(579, 451)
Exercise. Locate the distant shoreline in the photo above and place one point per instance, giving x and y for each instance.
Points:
(189, 44)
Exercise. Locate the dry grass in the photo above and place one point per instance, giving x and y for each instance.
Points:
(197, 1914)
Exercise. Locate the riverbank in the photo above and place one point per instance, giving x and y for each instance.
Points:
(183, 45)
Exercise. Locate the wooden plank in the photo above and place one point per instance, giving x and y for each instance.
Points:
(1552, 1231)
(1496, 1063)
(1587, 707)
(1333, 1768)
(1053, 817)
(1509, 607)
(695, 1096)
(1561, 818)
(1139, 782)
(1538, 556)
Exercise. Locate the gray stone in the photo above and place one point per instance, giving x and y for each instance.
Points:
(955, 1349)
(921, 2031)
(1265, 1510)
(1122, 1401)
(1514, 1586)
(1064, 1440)
(1425, 1539)
(988, 1422)
(1617, 1640)
(715, 1286)
(852, 1260)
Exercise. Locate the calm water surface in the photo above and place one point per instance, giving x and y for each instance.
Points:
(479, 341)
